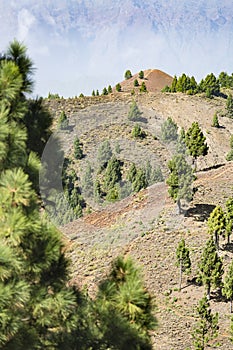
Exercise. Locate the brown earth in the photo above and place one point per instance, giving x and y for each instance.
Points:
(146, 225)
(154, 79)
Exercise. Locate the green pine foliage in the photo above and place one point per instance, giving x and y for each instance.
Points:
(78, 149)
(196, 141)
(229, 218)
(183, 260)
(169, 130)
(225, 80)
(180, 180)
(105, 91)
(141, 74)
(63, 121)
(134, 113)
(229, 106)
(229, 155)
(217, 224)
(118, 87)
(143, 87)
(87, 181)
(93, 93)
(136, 83)
(210, 267)
(207, 325)
(109, 89)
(104, 153)
(128, 74)
(140, 181)
(137, 132)
(215, 122)
(124, 291)
(112, 174)
(228, 285)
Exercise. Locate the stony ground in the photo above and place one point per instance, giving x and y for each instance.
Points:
(146, 225)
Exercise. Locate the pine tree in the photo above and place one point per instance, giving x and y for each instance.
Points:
(169, 130)
(93, 92)
(109, 89)
(97, 93)
(229, 156)
(105, 91)
(140, 181)
(207, 326)
(136, 83)
(183, 260)
(131, 175)
(196, 141)
(228, 286)
(87, 182)
(229, 218)
(63, 121)
(104, 153)
(174, 82)
(128, 74)
(143, 87)
(134, 112)
(217, 223)
(229, 106)
(137, 132)
(125, 291)
(210, 267)
(141, 74)
(180, 180)
(112, 174)
(215, 122)
(78, 149)
(118, 87)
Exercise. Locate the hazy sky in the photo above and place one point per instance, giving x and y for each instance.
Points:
(81, 45)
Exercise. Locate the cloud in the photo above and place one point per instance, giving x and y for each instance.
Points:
(25, 22)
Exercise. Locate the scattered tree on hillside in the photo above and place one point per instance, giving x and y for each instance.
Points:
(137, 132)
(113, 173)
(63, 121)
(217, 224)
(93, 92)
(207, 325)
(87, 182)
(210, 267)
(109, 89)
(210, 85)
(228, 285)
(229, 106)
(141, 74)
(132, 172)
(169, 130)
(143, 87)
(153, 175)
(104, 153)
(78, 149)
(134, 112)
(229, 155)
(183, 260)
(128, 74)
(140, 181)
(136, 83)
(180, 180)
(215, 122)
(97, 93)
(105, 91)
(196, 141)
(118, 87)
(229, 218)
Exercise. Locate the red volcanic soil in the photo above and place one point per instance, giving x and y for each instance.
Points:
(154, 79)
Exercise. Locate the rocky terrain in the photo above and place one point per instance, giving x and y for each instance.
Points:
(146, 225)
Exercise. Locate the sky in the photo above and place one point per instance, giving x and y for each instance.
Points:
(81, 45)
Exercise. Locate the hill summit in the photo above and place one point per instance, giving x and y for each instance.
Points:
(154, 79)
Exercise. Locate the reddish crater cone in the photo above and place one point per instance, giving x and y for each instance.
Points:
(154, 79)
